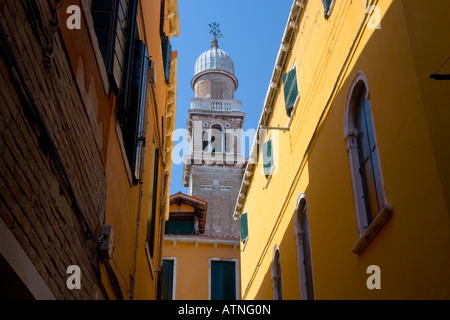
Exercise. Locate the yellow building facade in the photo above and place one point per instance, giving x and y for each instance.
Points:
(346, 195)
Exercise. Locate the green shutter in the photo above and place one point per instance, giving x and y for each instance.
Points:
(267, 151)
(243, 222)
(167, 280)
(179, 227)
(290, 90)
(223, 280)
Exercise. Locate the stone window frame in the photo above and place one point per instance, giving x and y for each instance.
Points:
(358, 86)
(299, 232)
(276, 275)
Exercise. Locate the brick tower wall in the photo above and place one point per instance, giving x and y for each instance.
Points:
(218, 185)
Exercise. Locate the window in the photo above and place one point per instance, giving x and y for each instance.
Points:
(304, 250)
(216, 138)
(268, 158)
(276, 275)
(168, 283)
(151, 216)
(166, 51)
(243, 223)
(368, 190)
(180, 227)
(327, 7)
(213, 139)
(223, 279)
(290, 90)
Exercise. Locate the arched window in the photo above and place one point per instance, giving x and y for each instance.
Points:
(276, 275)
(368, 189)
(304, 249)
(206, 140)
(216, 138)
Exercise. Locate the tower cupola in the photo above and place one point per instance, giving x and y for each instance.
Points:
(214, 76)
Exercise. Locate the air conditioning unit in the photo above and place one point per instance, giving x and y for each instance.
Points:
(151, 71)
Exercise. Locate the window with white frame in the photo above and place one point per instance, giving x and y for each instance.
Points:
(169, 279)
(367, 179)
(302, 234)
(276, 275)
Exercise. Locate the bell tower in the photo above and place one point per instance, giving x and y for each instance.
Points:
(214, 169)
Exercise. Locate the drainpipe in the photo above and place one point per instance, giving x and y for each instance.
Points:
(139, 211)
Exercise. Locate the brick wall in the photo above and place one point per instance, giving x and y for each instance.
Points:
(214, 86)
(51, 171)
(219, 186)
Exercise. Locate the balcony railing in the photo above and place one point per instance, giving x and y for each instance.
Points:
(216, 105)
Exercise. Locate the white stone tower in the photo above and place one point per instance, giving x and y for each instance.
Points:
(213, 172)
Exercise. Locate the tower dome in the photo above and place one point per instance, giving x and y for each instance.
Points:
(214, 75)
(214, 59)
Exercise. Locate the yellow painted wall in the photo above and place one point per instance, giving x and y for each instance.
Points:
(183, 208)
(409, 112)
(193, 266)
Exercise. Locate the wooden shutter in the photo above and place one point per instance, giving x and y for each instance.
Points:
(167, 280)
(180, 227)
(114, 21)
(223, 280)
(104, 15)
(290, 90)
(369, 164)
(133, 122)
(267, 151)
(243, 222)
(128, 59)
(143, 72)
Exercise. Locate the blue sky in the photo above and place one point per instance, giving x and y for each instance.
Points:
(252, 36)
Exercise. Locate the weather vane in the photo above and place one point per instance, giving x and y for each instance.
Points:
(215, 31)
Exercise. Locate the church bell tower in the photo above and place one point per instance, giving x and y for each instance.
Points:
(214, 169)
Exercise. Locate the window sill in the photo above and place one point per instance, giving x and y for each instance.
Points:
(376, 225)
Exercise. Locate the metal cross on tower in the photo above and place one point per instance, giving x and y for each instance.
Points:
(215, 31)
